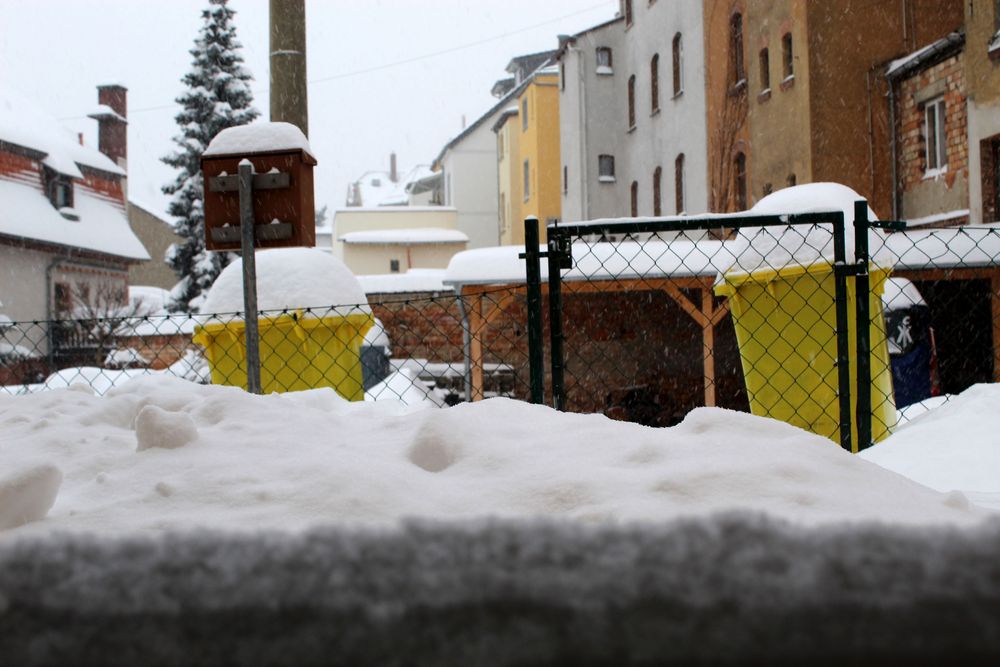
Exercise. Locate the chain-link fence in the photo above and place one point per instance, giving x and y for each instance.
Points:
(649, 319)
(436, 349)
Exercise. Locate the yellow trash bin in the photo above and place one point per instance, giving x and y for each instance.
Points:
(785, 323)
(296, 352)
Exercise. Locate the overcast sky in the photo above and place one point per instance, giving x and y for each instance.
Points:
(365, 100)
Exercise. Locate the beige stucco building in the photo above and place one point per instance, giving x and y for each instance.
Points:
(394, 239)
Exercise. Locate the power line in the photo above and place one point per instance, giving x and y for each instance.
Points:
(399, 63)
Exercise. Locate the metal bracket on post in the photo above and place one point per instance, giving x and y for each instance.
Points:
(246, 183)
(862, 287)
(536, 361)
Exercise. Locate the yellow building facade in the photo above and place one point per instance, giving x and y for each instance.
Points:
(529, 174)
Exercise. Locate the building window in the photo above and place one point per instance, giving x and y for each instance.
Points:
(791, 180)
(736, 50)
(634, 197)
(989, 157)
(500, 142)
(787, 58)
(740, 177)
(565, 179)
(58, 188)
(524, 114)
(678, 52)
(628, 12)
(527, 181)
(562, 75)
(657, 179)
(654, 83)
(63, 300)
(934, 137)
(393, 266)
(503, 212)
(631, 101)
(604, 60)
(447, 189)
(606, 168)
(765, 71)
(679, 184)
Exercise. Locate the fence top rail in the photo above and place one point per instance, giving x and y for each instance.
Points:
(683, 223)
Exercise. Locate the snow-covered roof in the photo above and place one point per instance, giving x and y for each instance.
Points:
(376, 188)
(416, 236)
(595, 261)
(26, 213)
(937, 217)
(911, 61)
(24, 123)
(954, 247)
(414, 280)
(104, 111)
(260, 137)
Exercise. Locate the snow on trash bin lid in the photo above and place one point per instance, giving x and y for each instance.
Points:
(258, 138)
(778, 248)
(291, 279)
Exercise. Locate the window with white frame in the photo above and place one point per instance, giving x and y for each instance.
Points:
(935, 137)
(524, 114)
(604, 63)
(606, 168)
(527, 181)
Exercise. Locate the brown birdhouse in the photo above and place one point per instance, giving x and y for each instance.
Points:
(282, 187)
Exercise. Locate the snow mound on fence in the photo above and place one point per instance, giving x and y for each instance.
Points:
(292, 461)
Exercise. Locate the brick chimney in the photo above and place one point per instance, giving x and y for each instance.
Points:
(112, 123)
(393, 176)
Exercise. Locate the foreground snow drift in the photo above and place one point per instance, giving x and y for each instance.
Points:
(162, 453)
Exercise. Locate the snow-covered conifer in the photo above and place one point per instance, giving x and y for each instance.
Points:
(217, 96)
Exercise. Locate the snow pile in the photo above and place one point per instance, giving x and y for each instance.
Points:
(161, 453)
(289, 279)
(900, 293)
(953, 446)
(404, 385)
(759, 248)
(27, 494)
(258, 138)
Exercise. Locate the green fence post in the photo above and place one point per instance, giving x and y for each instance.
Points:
(536, 361)
(843, 331)
(863, 324)
(557, 255)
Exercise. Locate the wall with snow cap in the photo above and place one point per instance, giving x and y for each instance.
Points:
(258, 138)
(289, 279)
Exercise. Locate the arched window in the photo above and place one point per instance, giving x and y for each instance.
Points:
(740, 180)
(678, 52)
(657, 180)
(765, 70)
(736, 49)
(654, 82)
(679, 184)
(787, 57)
(634, 192)
(631, 101)
(628, 12)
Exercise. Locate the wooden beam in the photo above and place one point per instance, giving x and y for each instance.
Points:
(708, 344)
(696, 313)
(476, 326)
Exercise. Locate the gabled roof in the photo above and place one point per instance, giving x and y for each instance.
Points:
(529, 62)
(571, 39)
(25, 124)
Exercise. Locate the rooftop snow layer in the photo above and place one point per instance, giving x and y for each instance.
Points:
(415, 236)
(289, 279)
(27, 213)
(261, 137)
(967, 246)
(24, 123)
(414, 280)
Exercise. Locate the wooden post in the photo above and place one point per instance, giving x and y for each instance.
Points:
(708, 344)
(476, 346)
(995, 312)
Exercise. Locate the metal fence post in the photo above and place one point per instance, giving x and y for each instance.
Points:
(861, 294)
(862, 288)
(536, 360)
(843, 332)
(556, 257)
(249, 276)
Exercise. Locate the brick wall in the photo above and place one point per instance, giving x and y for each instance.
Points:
(912, 146)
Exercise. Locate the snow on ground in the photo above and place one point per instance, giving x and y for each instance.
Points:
(953, 446)
(161, 453)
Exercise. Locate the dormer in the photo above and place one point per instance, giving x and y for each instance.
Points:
(58, 188)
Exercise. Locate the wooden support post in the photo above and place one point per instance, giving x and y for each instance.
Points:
(708, 344)
(476, 327)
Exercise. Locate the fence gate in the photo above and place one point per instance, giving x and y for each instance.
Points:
(648, 319)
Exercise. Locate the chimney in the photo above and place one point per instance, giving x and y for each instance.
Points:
(112, 123)
(392, 168)
(79, 137)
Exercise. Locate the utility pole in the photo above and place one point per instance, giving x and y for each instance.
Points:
(289, 102)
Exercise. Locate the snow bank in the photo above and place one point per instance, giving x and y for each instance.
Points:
(291, 461)
(259, 137)
(27, 494)
(758, 248)
(953, 446)
(900, 293)
(289, 279)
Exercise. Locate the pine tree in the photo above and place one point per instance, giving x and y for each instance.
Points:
(218, 96)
